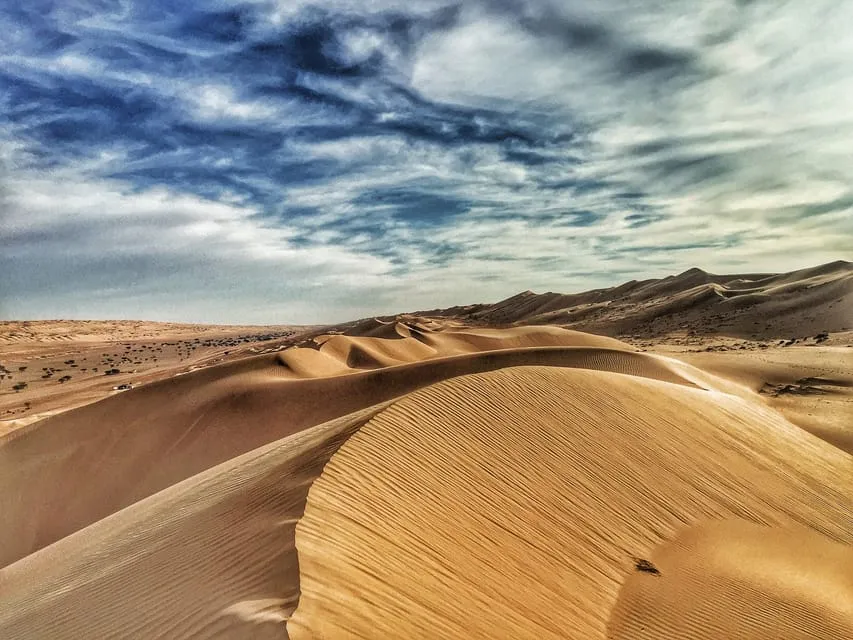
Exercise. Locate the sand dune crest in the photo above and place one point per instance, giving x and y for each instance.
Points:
(514, 503)
(61, 475)
(506, 500)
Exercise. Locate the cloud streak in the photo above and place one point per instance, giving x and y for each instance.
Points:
(323, 160)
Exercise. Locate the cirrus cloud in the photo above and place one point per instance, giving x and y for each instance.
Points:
(319, 160)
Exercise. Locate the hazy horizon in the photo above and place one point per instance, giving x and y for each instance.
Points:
(264, 162)
(391, 312)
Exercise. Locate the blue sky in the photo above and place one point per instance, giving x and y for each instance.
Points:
(287, 161)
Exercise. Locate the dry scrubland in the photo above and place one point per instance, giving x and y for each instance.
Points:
(50, 366)
(467, 473)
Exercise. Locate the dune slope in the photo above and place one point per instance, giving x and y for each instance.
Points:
(800, 303)
(62, 474)
(505, 500)
(517, 503)
(740, 580)
(811, 386)
(211, 557)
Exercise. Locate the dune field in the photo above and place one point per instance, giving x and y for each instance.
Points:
(449, 474)
(432, 320)
(792, 305)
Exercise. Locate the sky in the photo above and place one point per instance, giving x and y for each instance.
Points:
(291, 161)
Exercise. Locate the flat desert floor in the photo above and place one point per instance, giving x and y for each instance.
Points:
(47, 367)
(423, 477)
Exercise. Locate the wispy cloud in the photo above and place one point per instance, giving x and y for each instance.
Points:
(293, 160)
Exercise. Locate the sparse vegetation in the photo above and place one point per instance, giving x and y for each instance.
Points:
(19, 386)
(646, 566)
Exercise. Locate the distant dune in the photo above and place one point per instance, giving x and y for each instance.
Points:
(433, 476)
(763, 306)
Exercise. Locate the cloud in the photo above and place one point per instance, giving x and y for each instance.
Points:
(72, 246)
(346, 157)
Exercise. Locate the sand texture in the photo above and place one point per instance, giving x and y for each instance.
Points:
(517, 503)
(68, 471)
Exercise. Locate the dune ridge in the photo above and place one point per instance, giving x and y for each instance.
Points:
(516, 503)
(213, 555)
(61, 474)
(178, 510)
(799, 303)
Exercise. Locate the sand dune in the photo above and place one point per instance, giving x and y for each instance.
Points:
(740, 580)
(211, 557)
(797, 304)
(64, 473)
(483, 483)
(811, 386)
(516, 504)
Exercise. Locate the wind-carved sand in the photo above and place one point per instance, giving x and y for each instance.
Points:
(794, 305)
(61, 474)
(517, 503)
(420, 477)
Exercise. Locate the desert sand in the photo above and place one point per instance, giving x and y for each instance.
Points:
(447, 474)
(794, 305)
(47, 367)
